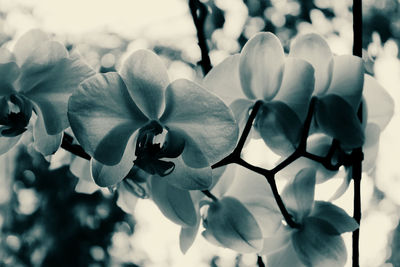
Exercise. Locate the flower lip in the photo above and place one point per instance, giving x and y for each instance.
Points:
(156, 142)
(15, 115)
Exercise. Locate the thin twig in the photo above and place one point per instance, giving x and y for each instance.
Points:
(235, 155)
(260, 262)
(357, 166)
(199, 14)
(288, 218)
(210, 195)
(77, 150)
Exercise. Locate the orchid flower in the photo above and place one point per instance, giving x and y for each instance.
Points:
(171, 132)
(342, 78)
(262, 72)
(338, 87)
(317, 241)
(129, 190)
(242, 215)
(379, 109)
(39, 75)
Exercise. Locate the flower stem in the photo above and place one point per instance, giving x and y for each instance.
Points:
(77, 150)
(210, 195)
(288, 218)
(357, 28)
(247, 127)
(357, 165)
(260, 262)
(235, 155)
(199, 14)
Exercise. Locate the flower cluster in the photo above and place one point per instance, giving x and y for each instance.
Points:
(136, 121)
(39, 75)
(149, 136)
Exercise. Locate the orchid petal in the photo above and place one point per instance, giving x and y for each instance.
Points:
(316, 245)
(146, 78)
(216, 176)
(278, 241)
(297, 86)
(204, 118)
(176, 204)
(380, 104)
(317, 144)
(27, 43)
(6, 143)
(50, 84)
(80, 167)
(344, 185)
(6, 56)
(9, 72)
(126, 199)
(230, 222)
(313, 48)
(225, 181)
(223, 80)
(335, 216)
(320, 144)
(103, 117)
(105, 175)
(185, 177)
(371, 146)
(188, 235)
(210, 238)
(284, 257)
(42, 141)
(347, 79)
(40, 64)
(260, 66)
(241, 109)
(254, 192)
(298, 195)
(338, 119)
(279, 126)
(86, 187)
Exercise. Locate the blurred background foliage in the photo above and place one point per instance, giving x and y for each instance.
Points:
(45, 222)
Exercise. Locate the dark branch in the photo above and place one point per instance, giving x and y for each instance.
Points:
(260, 262)
(288, 218)
(357, 28)
(235, 155)
(302, 147)
(210, 195)
(199, 14)
(72, 148)
(357, 166)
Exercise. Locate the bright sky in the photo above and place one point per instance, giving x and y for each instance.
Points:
(126, 17)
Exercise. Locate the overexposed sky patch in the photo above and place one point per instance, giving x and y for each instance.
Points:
(126, 17)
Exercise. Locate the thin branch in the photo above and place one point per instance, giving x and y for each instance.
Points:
(307, 124)
(210, 195)
(199, 14)
(72, 148)
(235, 155)
(301, 149)
(357, 28)
(295, 155)
(357, 153)
(256, 169)
(288, 218)
(260, 262)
